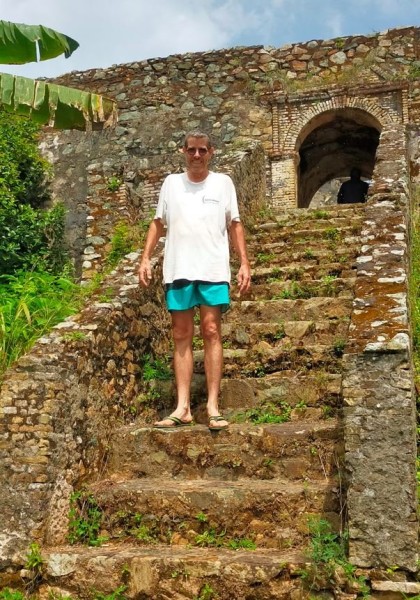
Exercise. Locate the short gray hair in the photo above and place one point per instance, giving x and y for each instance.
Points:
(196, 133)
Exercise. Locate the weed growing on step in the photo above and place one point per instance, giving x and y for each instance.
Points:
(320, 214)
(210, 538)
(327, 552)
(113, 183)
(275, 275)
(117, 594)
(75, 336)
(332, 234)
(338, 347)
(264, 258)
(241, 544)
(34, 563)
(202, 517)
(308, 254)
(197, 343)
(85, 520)
(266, 413)
(294, 291)
(34, 560)
(206, 593)
(181, 574)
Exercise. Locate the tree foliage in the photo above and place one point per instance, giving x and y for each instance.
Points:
(47, 103)
(31, 238)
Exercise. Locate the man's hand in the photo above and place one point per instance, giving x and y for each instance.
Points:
(145, 272)
(244, 278)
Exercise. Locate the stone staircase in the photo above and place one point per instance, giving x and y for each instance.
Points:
(193, 514)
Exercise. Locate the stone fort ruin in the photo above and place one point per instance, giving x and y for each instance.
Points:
(285, 122)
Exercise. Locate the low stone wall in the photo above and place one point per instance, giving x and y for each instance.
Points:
(60, 403)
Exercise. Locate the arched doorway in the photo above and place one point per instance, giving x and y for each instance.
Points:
(331, 144)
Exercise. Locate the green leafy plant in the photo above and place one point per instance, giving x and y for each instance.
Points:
(332, 234)
(114, 183)
(85, 519)
(206, 593)
(8, 594)
(34, 560)
(122, 243)
(338, 347)
(241, 544)
(266, 413)
(155, 368)
(202, 517)
(210, 538)
(263, 258)
(32, 236)
(31, 303)
(327, 552)
(117, 594)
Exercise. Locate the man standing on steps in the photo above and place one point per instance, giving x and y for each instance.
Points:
(200, 212)
(354, 190)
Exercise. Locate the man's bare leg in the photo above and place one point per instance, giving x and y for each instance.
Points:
(211, 330)
(182, 334)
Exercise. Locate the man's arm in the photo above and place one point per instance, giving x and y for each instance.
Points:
(237, 236)
(155, 232)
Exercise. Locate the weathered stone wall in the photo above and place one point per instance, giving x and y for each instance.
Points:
(62, 400)
(228, 93)
(379, 398)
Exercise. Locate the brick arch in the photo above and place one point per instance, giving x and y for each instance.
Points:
(308, 119)
(333, 141)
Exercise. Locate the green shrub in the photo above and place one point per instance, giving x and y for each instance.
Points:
(31, 238)
(85, 519)
(31, 304)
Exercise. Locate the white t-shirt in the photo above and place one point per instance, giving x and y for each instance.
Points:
(197, 217)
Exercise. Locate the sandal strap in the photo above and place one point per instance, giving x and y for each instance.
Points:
(217, 418)
(173, 419)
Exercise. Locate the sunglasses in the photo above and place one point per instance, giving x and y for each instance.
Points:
(192, 151)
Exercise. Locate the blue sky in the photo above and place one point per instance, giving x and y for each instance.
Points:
(114, 32)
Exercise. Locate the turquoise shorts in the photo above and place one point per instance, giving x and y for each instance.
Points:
(183, 294)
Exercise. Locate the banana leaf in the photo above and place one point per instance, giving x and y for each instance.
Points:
(21, 44)
(55, 105)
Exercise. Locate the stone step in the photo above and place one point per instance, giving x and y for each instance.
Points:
(265, 358)
(238, 335)
(343, 213)
(317, 393)
(334, 236)
(276, 288)
(172, 573)
(277, 255)
(212, 512)
(316, 268)
(310, 221)
(301, 309)
(293, 450)
(322, 390)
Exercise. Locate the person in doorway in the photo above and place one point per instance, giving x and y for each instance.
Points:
(199, 210)
(353, 190)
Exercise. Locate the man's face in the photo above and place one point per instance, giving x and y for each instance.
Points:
(197, 154)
